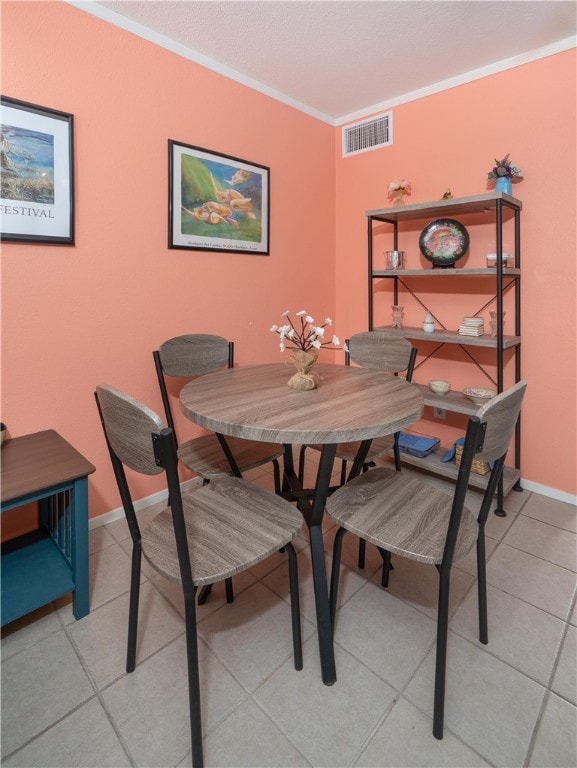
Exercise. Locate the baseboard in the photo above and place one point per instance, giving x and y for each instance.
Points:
(551, 493)
(147, 501)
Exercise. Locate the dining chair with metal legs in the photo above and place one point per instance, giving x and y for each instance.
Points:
(381, 351)
(188, 356)
(206, 535)
(403, 514)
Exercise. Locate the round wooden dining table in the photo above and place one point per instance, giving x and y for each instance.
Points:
(350, 404)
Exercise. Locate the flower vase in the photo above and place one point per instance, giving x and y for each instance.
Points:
(398, 313)
(305, 378)
(503, 184)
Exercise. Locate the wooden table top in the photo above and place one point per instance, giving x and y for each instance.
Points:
(32, 463)
(254, 402)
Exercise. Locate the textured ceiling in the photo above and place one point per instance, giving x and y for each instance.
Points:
(338, 58)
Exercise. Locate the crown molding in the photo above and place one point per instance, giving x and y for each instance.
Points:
(105, 14)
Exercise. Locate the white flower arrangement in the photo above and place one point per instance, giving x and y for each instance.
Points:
(309, 336)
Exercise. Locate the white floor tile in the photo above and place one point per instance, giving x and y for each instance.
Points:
(469, 563)
(388, 635)
(101, 636)
(327, 724)
(405, 740)
(252, 636)
(28, 630)
(525, 637)
(40, 685)
(490, 706)
(418, 584)
(552, 511)
(573, 617)
(556, 742)
(543, 540)
(150, 708)
(565, 680)
(109, 575)
(542, 584)
(100, 538)
(249, 739)
(84, 739)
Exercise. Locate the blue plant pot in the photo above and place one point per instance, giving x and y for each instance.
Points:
(503, 184)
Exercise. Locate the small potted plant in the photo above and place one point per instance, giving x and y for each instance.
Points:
(397, 189)
(504, 172)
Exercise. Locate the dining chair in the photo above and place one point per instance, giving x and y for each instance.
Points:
(195, 354)
(192, 355)
(205, 535)
(380, 351)
(400, 513)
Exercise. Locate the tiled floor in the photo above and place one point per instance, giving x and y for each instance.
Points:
(67, 700)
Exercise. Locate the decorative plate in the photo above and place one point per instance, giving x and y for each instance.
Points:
(443, 241)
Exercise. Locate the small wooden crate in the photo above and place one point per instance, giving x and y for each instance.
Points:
(478, 467)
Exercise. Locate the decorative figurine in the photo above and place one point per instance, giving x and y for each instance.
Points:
(493, 322)
(397, 316)
(429, 323)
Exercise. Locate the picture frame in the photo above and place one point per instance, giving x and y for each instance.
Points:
(36, 174)
(217, 202)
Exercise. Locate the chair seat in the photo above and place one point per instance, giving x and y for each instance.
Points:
(204, 455)
(348, 451)
(401, 514)
(231, 525)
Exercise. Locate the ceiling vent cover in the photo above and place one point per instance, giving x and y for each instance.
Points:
(368, 134)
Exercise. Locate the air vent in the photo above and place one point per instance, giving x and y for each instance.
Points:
(368, 134)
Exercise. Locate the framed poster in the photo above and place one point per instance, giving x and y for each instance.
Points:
(216, 202)
(36, 174)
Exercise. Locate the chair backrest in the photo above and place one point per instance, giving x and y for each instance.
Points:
(128, 425)
(136, 438)
(489, 434)
(382, 351)
(500, 415)
(193, 354)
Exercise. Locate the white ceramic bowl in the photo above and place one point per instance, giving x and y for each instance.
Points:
(492, 259)
(479, 395)
(439, 386)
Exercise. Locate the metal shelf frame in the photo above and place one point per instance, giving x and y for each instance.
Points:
(500, 206)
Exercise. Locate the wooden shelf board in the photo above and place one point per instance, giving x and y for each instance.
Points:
(433, 464)
(455, 402)
(446, 272)
(458, 206)
(451, 337)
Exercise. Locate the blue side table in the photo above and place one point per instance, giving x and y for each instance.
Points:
(51, 561)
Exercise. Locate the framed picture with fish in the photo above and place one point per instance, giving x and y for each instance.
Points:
(217, 202)
(36, 174)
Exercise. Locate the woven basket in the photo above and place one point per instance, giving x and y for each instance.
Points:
(478, 467)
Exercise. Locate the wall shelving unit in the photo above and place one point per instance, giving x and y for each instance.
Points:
(492, 206)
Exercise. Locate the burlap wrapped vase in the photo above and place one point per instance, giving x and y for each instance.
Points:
(305, 378)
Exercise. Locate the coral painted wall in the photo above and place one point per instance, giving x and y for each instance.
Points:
(73, 317)
(449, 140)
